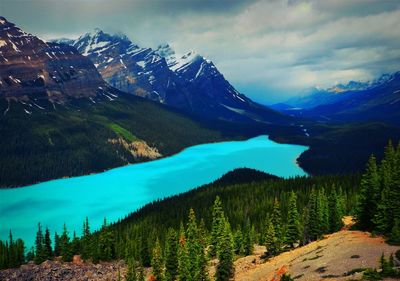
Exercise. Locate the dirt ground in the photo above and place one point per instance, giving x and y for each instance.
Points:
(328, 259)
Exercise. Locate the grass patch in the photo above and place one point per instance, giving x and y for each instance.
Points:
(122, 132)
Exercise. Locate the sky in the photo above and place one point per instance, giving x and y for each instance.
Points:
(269, 50)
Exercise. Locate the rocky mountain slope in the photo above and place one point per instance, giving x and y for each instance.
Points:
(189, 82)
(32, 69)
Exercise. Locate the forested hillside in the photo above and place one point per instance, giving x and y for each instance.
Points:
(86, 136)
(221, 208)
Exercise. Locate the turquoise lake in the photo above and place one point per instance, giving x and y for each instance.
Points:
(118, 192)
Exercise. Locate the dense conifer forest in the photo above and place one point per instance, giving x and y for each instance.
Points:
(73, 139)
(178, 236)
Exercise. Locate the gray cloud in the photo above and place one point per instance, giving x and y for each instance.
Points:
(268, 49)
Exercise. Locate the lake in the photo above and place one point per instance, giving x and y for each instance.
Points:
(115, 193)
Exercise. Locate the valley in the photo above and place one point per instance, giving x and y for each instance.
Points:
(270, 151)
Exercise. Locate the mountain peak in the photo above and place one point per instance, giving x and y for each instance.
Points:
(3, 20)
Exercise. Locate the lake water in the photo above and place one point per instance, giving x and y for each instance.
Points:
(118, 192)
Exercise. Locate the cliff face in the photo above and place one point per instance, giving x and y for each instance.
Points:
(31, 69)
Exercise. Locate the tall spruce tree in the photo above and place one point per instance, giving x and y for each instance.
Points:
(238, 242)
(183, 257)
(65, 245)
(335, 213)
(293, 232)
(40, 255)
(86, 243)
(57, 245)
(218, 220)
(248, 239)
(225, 268)
(48, 251)
(271, 242)
(106, 243)
(171, 255)
(313, 219)
(157, 262)
(277, 223)
(369, 190)
(323, 212)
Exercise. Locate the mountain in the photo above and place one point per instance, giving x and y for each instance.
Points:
(315, 96)
(32, 69)
(378, 100)
(189, 82)
(59, 118)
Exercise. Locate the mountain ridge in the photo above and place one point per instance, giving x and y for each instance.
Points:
(189, 82)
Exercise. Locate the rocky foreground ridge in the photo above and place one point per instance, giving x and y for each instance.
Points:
(57, 270)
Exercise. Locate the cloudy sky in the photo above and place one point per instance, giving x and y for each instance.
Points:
(268, 49)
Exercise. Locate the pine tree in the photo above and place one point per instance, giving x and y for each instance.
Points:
(335, 215)
(313, 218)
(323, 211)
(48, 251)
(277, 223)
(75, 244)
(65, 245)
(271, 242)
(218, 220)
(106, 243)
(248, 242)
(183, 257)
(40, 255)
(293, 232)
(195, 248)
(86, 242)
(171, 255)
(381, 217)
(225, 267)
(369, 190)
(157, 262)
(238, 242)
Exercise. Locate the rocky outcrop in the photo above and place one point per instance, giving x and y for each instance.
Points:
(138, 148)
(57, 271)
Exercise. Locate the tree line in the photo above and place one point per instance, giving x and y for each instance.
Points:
(378, 208)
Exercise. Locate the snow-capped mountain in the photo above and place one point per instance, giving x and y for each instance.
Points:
(32, 69)
(377, 100)
(189, 82)
(314, 97)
